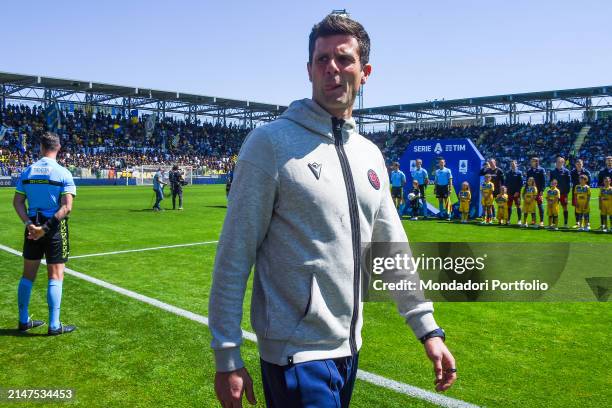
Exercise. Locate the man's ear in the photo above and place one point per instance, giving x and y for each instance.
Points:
(309, 68)
(367, 70)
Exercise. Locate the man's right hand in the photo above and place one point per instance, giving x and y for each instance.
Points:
(230, 386)
(35, 232)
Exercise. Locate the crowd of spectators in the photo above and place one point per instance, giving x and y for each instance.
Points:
(103, 141)
(513, 142)
(113, 142)
(597, 145)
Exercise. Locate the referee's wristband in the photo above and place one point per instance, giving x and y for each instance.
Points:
(27, 223)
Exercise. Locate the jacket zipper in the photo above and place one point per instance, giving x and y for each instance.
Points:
(354, 217)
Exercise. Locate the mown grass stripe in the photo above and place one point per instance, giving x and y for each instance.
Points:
(399, 387)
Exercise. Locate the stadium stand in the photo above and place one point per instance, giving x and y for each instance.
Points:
(519, 142)
(105, 142)
(597, 145)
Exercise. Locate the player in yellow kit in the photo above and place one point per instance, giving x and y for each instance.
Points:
(465, 197)
(605, 205)
(553, 197)
(486, 191)
(583, 200)
(502, 206)
(530, 192)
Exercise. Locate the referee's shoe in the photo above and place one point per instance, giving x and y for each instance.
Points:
(31, 324)
(61, 330)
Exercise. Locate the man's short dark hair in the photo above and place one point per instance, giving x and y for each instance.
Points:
(50, 141)
(334, 24)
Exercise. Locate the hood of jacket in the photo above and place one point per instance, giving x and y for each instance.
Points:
(310, 115)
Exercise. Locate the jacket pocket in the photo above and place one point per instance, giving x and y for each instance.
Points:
(318, 324)
(280, 299)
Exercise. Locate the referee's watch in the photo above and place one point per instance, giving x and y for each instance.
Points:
(434, 333)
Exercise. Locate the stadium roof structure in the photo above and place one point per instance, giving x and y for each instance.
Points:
(124, 98)
(510, 105)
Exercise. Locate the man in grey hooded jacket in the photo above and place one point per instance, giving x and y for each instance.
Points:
(307, 191)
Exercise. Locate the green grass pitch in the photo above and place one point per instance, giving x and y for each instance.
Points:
(128, 353)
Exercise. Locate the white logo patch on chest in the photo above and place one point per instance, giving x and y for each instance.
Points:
(40, 171)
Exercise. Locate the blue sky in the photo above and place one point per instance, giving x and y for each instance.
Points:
(257, 50)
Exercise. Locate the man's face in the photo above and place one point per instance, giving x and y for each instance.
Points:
(336, 72)
(513, 165)
(441, 163)
(579, 165)
(534, 163)
(560, 162)
(418, 164)
(609, 162)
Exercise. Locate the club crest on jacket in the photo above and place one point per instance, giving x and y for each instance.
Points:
(373, 178)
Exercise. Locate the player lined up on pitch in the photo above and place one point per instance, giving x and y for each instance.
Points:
(48, 189)
(508, 190)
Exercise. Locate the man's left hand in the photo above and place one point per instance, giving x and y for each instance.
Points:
(443, 362)
(35, 233)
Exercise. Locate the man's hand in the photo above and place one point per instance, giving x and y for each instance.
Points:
(35, 233)
(443, 362)
(230, 386)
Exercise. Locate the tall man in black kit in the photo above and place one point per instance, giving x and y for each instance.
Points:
(177, 181)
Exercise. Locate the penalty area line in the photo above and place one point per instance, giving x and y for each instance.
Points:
(383, 382)
(144, 249)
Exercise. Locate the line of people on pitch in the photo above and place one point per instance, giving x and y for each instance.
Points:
(530, 196)
(562, 181)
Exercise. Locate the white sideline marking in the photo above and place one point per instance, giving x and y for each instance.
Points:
(375, 379)
(144, 249)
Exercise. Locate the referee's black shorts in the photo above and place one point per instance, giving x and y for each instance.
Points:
(396, 192)
(442, 191)
(54, 246)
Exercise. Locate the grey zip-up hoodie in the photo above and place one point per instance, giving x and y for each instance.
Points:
(307, 190)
